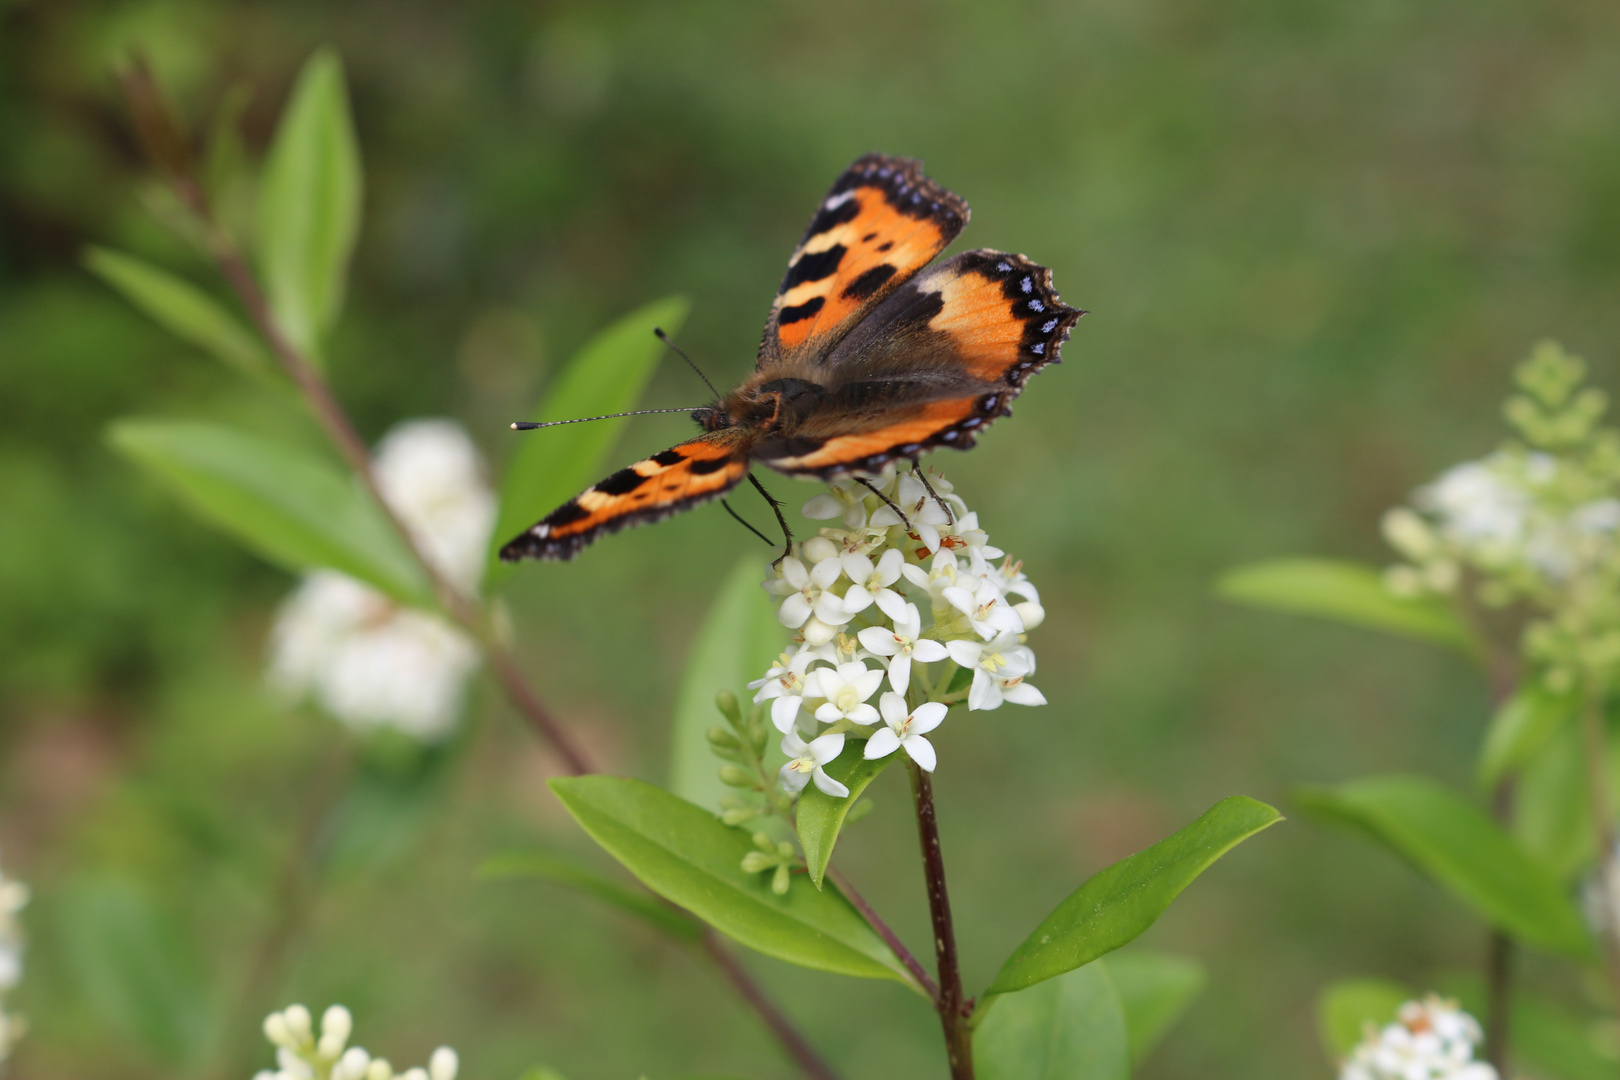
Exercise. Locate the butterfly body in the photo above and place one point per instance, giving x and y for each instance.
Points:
(867, 358)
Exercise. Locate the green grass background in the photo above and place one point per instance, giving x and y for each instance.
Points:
(1313, 237)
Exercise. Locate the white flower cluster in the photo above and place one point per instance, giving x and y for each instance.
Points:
(365, 658)
(1507, 513)
(301, 1055)
(1431, 1039)
(13, 897)
(880, 597)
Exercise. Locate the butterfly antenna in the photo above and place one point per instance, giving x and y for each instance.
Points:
(530, 425)
(659, 330)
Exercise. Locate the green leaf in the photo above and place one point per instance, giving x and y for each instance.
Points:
(1069, 1028)
(1345, 1008)
(821, 816)
(1458, 846)
(1551, 816)
(182, 308)
(134, 969)
(1521, 727)
(309, 205)
(1155, 989)
(540, 1072)
(549, 467)
(684, 854)
(735, 645)
(284, 502)
(1116, 905)
(539, 866)
(1345, 592)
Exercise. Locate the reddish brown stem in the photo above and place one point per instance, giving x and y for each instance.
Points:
(892, 939)
(950, 1003)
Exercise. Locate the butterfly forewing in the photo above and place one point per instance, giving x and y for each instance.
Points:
(882, 221)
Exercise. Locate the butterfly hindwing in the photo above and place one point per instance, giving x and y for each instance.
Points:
(935, 362)
(882, 221)
(679, 478)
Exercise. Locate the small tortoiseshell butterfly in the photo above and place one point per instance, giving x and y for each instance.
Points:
(864, 360)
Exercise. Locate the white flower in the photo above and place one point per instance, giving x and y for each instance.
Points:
(786, 684)
(999, 669)
(870, 581)
(843, 499)
(846, 688)
(301, 1056)
(369, 661)
(904, 643)
(431, 475)
(986, 609)
(13, 897)
(1475, 504)
(806, 594)
(806, 761)
(906, 729)
(1431, 1039)
(925, 514)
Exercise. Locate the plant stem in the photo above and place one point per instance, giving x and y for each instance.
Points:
(950, 1002)
(754, 994)
(173, 158)
(906, 956)
(1602, 809)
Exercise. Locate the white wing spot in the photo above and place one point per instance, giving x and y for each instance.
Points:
(1039, 349)
(838, 200)
(1036, 305)
(1048, 325)
(1005, 268)
(1026, 285)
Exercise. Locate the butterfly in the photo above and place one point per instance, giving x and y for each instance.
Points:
(867, 358)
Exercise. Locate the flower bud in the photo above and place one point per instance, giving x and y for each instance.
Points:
(739, 815)
(781, 880)
(444, 1064)
(352, 1065)
(726, 702)
(818, 548)
(299, 1023)
(414, 1073)
(1032, 614)
(379, 1069)
(757, 862)
(276, 1030)
(733, 776)
(336, 1023)
(721, 739)
(1409, 534)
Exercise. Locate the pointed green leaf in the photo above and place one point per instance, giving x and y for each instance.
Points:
(285, 503)
(1551, 815)
(181, 308)
(683, 853)
(1459, 847)
(1155, 989)
(540, 866)
(1345, 1008)
(1524, 724)
(549, 467)
(1116, 905)
(821, 816)
(735, 645)
(1068, 1028)
(309, 205)
(1345, 592)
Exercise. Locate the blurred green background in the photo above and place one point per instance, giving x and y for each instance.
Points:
(1312, 236)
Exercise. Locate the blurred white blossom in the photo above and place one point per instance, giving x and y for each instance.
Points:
(899, 596)
(13, 897)
(301, 1054)
(1431, 1039)
(364, 657)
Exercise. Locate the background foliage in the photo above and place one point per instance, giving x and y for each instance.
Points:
(1313, 238)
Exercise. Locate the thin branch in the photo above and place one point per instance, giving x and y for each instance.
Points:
(754, 994)
(906, 956)
(950, 1003)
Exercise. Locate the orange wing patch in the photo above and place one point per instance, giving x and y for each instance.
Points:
(1001, 314)
(952, 422)
(681, 477)
(882, 221)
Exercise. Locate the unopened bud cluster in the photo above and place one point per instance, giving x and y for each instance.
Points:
(301, 1054)
(1431, 1039)
(1536, 522)
(900, 610)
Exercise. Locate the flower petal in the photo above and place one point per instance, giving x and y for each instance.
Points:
(895, 606)
(828, 785)
(856, 599)
(793, 612)
(823, 506)
(785, 712)
(791, 778)
(900, 673)
(893, 707)
(921, 751)
(965, 652)
(928, 716)
(862, 714)
(888, 566)
(960, 599)
(828, 713)
(879, 640)
(928, 651)
(882, 743)
(827, 747)
(857, 566)
(827, 571)
(1023, 694)
(985, 692)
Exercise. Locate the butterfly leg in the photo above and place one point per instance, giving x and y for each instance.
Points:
(867, 484)
(776, 508)
(743, 523)
(917, 471)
